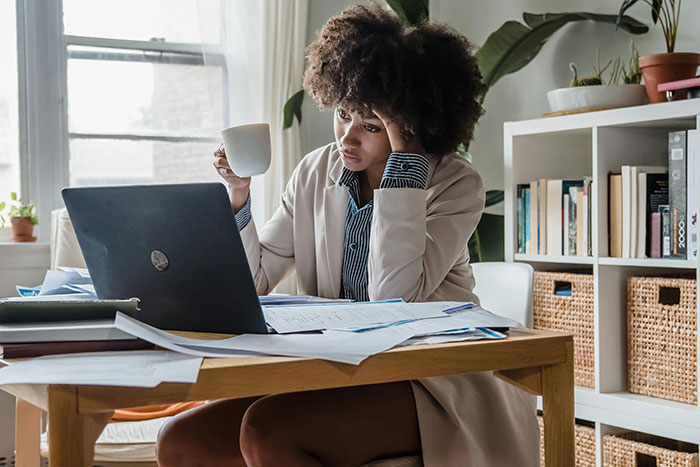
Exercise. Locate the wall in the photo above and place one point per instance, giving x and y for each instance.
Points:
(521, 95)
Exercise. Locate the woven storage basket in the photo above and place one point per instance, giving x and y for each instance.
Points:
(585, 444)
(572, 314)
(662, 342)
(640, 449)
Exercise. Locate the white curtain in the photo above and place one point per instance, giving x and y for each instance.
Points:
(263, 47)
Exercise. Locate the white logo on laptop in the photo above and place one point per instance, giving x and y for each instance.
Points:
(159, 260)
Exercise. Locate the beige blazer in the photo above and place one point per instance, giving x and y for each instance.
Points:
(418, 252)
(418, 242)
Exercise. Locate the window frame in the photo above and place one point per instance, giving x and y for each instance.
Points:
(42, 58)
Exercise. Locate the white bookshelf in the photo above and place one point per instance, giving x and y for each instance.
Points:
(594, 144)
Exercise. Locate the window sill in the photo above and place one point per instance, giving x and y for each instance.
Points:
(15, 255)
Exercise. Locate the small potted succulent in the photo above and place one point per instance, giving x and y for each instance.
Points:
(670, 66)
(22, 217)
(618, 88)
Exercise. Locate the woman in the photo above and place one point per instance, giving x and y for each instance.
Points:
(383, 212)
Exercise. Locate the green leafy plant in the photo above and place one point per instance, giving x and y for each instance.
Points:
(19, 209)
(667, 13)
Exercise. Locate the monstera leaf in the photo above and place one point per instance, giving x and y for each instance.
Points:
(514, 44)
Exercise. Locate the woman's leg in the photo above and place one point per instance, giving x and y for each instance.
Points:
(345, 426)
(205, 436)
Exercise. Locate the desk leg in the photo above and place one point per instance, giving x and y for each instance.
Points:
(72, 435)
(27, 434)
(558, 411)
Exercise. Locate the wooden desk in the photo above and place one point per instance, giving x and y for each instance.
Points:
(540, 362)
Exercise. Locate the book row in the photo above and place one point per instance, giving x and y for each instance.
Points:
(653, 209)
(554, 217)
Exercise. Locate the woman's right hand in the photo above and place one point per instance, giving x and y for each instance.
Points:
(239, 187)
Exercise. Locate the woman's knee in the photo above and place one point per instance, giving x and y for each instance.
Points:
(266, 438)
(172, 448)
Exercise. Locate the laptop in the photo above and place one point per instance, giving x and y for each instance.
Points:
(174, 247)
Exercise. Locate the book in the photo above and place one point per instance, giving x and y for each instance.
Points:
(640, 212)
(526, 220)
(665, 231)
(656, 186)
(677, 168)
(615, 215)
(542, 216)
(692, 191)
(89, 330)
(567, 233)
(37, 349)
(655, 236)
(557, 221)
(580, 236)
(554, 217)
(534, 209)
(55, 308)
(626, 210)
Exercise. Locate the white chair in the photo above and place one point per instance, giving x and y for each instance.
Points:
(502, 288)
(505, 289)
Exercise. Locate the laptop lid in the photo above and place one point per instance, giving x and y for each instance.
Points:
(175, 247)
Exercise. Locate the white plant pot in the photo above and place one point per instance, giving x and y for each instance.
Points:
(584, 97)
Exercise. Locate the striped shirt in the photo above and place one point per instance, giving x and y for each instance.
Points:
(402, 170)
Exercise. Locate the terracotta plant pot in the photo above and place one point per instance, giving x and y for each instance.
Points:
(662, 68)
(22, 229)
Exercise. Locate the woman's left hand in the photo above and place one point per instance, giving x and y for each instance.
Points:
(401, 137)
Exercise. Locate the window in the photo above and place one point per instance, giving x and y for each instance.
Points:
(143, 104)
(9, 117)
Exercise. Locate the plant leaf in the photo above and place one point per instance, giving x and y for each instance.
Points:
(626, 4)
(494, 197)
(34, 220)
(487, 242)
(655, 10)
(514, 44)
(411, 12)
(13, 196)
(2, 205)
(292, 108)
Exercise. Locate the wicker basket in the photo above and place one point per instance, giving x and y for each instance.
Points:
(572, 314)
(639, 449)
(662, 341)
(585, 445)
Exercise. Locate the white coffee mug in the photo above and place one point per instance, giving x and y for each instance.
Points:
(248, 148)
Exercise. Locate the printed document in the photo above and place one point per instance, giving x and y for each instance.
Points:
(311, 318)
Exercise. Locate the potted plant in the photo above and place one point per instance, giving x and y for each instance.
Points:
(669, 66)
(22, 217)
(620, 88)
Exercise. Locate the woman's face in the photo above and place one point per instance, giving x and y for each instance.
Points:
(362, 140)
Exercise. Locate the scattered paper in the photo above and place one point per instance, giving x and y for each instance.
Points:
(171, 341)
(135, 369)
(311, 318)
(476, 334)
(335, 346)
